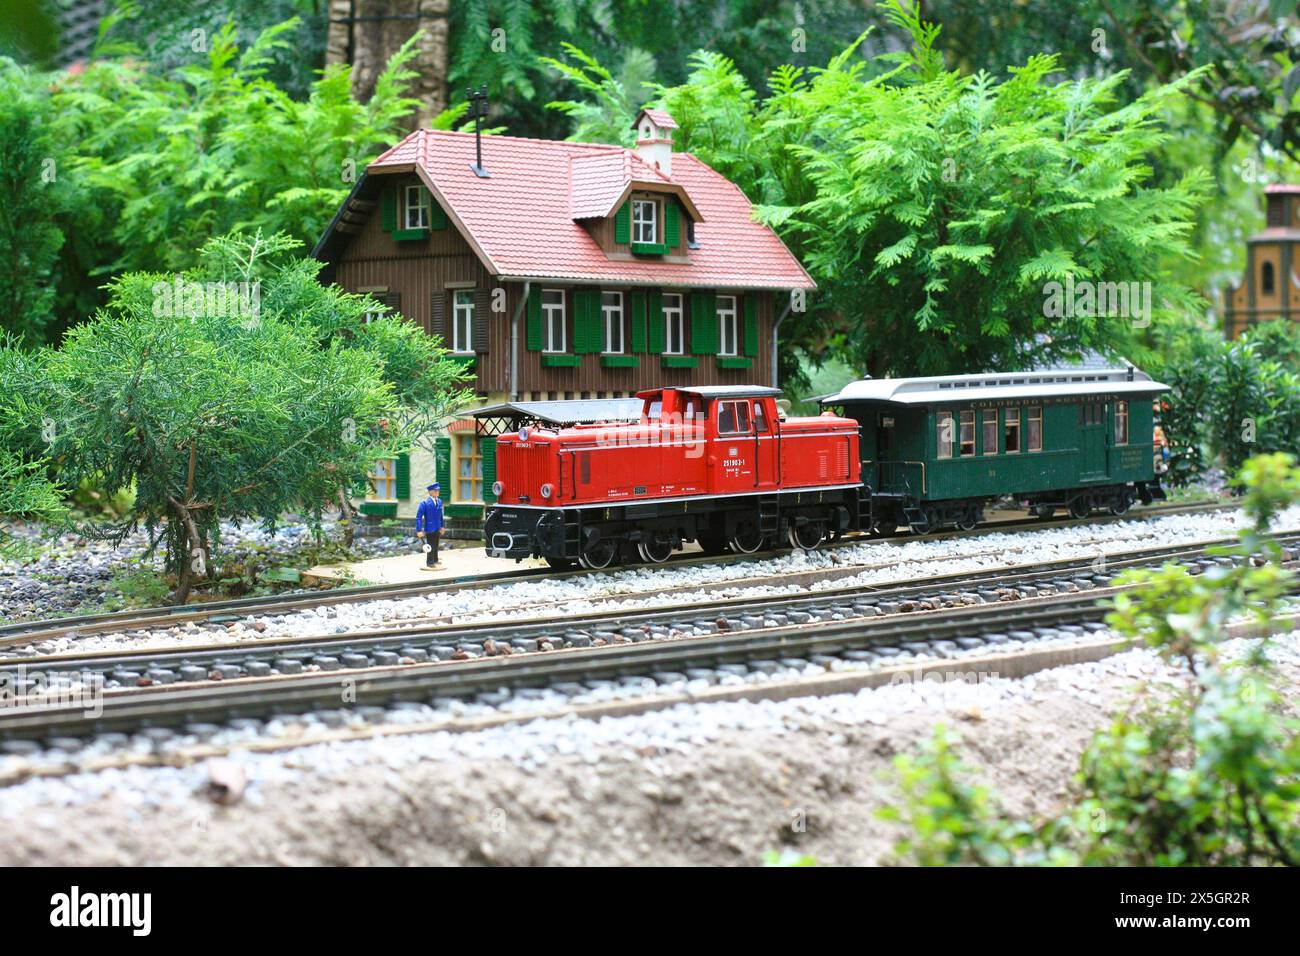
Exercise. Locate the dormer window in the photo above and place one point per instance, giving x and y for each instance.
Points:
(415, 208)
(645, 221)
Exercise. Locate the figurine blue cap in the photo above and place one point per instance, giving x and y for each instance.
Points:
(433, 487)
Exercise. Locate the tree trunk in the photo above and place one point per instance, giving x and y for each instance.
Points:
(366, 33)
(347, 519)
(185, 577)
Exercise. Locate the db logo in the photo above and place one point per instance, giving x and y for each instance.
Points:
(733, 451)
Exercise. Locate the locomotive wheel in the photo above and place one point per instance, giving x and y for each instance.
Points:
(807, 537)
(969, 521)
(1042, 512)
(600, 554)
(884, 528)
(746, 539)
(1121, 503)
(654, 551)
(925, 525)
(560, 564)
(1080, 508)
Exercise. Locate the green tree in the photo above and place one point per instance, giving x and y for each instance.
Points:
(936, 209)
(236, 391)
(31, 196)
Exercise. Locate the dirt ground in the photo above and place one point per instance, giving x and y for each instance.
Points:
(809, 782)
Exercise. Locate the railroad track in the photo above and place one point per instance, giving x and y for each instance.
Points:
(220, 612)
(735, 636)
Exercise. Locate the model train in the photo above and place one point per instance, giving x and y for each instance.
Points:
(720, 466)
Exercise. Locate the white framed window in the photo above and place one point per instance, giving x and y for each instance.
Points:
(382, 480)
(728, 328)
(645, 220)
(553, 320)
(967, 433)
(416, 208)
(674, 324)
(469, 467)
(1121, 423)
(1012, 430)
(611, 310)
(990, 424)
(943, 433)
(462, 321)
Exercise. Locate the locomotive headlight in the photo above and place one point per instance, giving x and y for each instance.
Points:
(547, 490)
(497, 488)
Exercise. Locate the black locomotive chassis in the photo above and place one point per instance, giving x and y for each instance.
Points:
(563, 533)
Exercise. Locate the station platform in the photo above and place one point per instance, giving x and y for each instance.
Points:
(400, 569)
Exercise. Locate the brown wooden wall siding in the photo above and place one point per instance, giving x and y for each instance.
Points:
(592, 377)
(415, 270)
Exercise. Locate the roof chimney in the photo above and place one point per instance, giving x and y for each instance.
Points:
(654, 139)
(478, 108)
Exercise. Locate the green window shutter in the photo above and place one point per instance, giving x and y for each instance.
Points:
(489, 448)
(533, 331)
(388, 204)
(672, 223)
(437, 216)
(480, 323)
(442, 465)
(636, 315)
(403, 477)
(751, 325)
(704, 324)
(588, 336)
(438, 318)
(623, 223)
(657, 335)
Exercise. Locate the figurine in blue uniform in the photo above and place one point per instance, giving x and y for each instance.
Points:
(428, 525)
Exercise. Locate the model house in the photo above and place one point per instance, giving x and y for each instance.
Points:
(558, 271)
(1271, 288)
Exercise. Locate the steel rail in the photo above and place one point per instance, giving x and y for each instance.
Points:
(25, 632)
(268, 697)
(280, 694)
(143, 660)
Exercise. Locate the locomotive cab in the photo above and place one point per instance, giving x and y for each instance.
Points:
(713, 464)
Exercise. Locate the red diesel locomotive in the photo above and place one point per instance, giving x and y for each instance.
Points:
(715, 464)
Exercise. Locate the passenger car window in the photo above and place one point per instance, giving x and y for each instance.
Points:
(943, 423)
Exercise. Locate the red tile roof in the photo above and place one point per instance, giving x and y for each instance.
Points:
(522, 219)
(659, 118)
(598, 181)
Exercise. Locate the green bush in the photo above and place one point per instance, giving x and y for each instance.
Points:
(1207, 776)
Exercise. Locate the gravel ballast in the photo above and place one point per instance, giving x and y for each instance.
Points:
(709, 784)
(866, 563)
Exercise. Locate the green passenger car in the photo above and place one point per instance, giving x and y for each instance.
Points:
(935, 450)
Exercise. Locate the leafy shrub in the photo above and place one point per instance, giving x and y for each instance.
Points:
(1207, 776)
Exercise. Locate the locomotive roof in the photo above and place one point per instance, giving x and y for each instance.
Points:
(938, 389)
(570, 412)
(717, 391)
